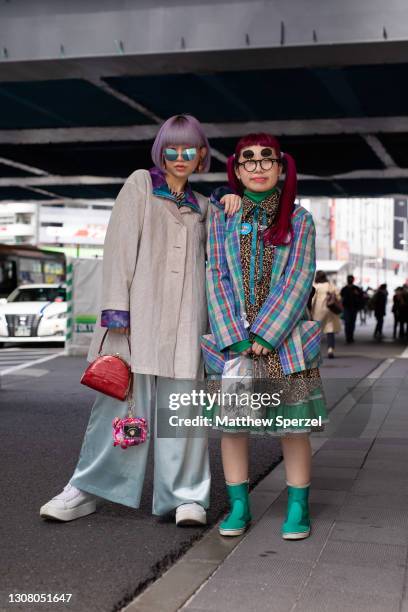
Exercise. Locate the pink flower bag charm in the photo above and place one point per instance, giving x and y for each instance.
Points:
(131, 430)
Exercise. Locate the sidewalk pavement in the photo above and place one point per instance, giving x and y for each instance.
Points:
(356, 557)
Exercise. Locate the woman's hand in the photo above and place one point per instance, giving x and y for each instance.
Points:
(232, 203)
(258, 349)
(120, 330)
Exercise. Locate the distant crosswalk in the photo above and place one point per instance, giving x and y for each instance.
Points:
(14, 359)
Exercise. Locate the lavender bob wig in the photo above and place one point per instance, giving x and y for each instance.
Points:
(180, 130)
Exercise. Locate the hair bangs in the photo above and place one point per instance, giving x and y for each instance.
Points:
(262, 139)
(180, 130)
(182, 133)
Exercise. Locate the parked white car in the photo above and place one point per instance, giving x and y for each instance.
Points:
(34, 313)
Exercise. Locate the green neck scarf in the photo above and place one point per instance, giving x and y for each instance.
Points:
(258, 196)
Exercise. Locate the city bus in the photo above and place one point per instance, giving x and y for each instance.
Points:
(21, 264)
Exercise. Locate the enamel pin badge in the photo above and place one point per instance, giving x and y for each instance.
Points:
(246, 228)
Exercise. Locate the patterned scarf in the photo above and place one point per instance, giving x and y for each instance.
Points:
(179, 195)
(270, 204)
(260, 215)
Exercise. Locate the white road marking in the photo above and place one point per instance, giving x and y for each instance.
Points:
(28, 364)
(28, 348)
(25, 356)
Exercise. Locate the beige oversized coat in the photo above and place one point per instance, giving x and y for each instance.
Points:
(330, 321)
(154, 267)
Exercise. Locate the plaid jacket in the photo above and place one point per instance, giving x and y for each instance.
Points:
(284, 319)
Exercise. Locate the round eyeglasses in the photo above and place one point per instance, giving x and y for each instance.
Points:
(266, 163)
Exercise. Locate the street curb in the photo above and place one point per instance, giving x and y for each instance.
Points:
(181, 581)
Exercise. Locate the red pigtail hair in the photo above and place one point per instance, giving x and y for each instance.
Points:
(281, 232)
(233, 181)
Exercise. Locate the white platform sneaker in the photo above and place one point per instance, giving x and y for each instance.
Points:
(71, 504)
(191, 514)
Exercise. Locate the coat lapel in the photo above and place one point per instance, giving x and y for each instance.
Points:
(172, 208)
(161, 190)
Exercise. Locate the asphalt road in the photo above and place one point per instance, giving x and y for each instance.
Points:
(104, 559)
(16, 357)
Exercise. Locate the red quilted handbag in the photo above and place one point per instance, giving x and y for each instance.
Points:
(109, 374)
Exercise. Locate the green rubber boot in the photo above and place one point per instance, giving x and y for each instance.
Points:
(239, 517)
(297, 521)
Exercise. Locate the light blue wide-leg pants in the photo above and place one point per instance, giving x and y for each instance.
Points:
(181, 464)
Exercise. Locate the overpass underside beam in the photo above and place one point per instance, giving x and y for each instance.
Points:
(53, 39)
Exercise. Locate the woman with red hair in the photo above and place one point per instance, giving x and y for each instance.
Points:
(260, 272)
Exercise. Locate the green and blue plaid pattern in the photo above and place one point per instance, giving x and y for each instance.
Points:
(225, 306)
(283, 320)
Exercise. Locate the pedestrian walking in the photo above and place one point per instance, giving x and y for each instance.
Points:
(352, 300)
(404, 311)
(326, 308)
(260, 271)
(153, 293)
(379, 303)
(399, 307)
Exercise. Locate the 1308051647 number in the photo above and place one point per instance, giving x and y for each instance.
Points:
(39, 597)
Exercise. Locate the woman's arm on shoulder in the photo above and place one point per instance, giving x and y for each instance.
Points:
(223, 199)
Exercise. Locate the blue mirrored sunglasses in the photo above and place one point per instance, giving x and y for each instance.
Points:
(187, 154)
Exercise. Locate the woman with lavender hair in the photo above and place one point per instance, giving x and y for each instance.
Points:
(153, 291)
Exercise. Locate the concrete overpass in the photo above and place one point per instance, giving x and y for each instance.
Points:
(83, 86)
